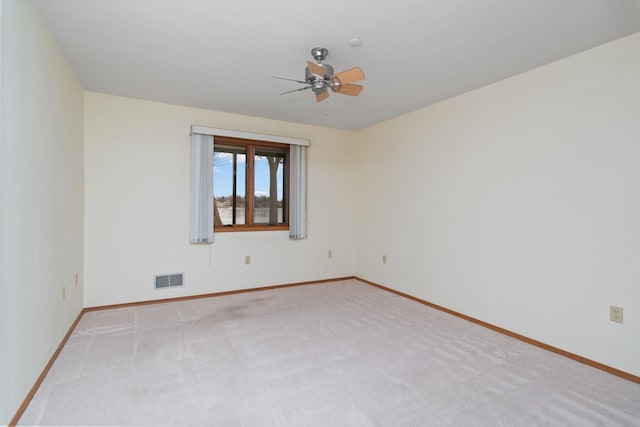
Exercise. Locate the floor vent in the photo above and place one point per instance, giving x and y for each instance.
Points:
(169, 281)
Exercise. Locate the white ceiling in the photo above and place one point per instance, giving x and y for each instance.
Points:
(220, 54)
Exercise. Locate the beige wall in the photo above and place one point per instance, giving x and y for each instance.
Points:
(41, 200)
(137, 162)
(517, 203)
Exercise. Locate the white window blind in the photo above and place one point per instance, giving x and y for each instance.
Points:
(298, 192)
(201, 189)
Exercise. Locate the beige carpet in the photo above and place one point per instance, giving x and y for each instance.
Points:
(336, 354)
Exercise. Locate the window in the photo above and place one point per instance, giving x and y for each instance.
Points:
(246, 201)
(250, 185)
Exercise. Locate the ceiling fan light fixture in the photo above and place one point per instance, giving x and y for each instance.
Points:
(318, 86)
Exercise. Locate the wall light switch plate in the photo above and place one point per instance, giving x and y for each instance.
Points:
(247, 260)
(615, 314)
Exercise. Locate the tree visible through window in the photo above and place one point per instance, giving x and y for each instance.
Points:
(250, 184)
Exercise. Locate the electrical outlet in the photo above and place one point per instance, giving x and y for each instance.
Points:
(247, 260)
(330, 254)
(615, 314)
(384, 259)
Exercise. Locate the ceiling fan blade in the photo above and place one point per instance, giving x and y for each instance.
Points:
(351, 75)
(348, 89)
(296, 90)
(316, 69)
(290, 79)
(322, 96)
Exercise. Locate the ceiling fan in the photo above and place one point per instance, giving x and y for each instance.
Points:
(319, 78)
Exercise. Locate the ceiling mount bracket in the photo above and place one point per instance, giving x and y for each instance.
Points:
(319, 53)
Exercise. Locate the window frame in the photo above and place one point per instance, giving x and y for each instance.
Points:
(250, 146)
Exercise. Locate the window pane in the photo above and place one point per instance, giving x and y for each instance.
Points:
(269, 194)
(229, 184)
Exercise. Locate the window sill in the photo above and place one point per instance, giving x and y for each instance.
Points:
(239, 228)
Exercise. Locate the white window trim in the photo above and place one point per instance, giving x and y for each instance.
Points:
(248, 135)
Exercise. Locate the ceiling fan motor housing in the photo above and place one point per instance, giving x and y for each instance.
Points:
(328, 73)
(319, 85)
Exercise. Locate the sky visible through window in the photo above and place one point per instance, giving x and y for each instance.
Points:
(223, 176)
